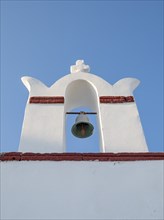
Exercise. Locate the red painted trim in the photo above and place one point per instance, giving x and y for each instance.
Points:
(46, 99)
(17, 156)
(60, 99)
(116, 99)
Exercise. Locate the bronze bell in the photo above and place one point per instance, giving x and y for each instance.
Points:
(82, 128)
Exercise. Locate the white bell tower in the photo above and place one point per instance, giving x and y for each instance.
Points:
(119, 125)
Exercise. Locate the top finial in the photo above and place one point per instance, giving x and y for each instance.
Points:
(80, 67)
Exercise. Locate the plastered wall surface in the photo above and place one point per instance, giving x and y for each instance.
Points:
(82, 190)
(119, 125)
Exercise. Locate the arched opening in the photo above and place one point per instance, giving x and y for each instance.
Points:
(81, 95)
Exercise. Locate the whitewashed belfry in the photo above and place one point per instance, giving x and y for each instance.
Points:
(52, 184)
(118, 121)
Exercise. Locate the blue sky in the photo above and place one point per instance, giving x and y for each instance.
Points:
(116, 38)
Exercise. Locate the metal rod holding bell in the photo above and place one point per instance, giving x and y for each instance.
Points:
(85, 113)
(82, 127)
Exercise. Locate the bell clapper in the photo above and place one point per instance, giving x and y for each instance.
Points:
(83, 130)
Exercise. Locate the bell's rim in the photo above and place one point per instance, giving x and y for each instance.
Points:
(74, 127)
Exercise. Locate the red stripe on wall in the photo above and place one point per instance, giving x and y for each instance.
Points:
(18, 156)
(46, 99)
(60, 99)
(116, 99)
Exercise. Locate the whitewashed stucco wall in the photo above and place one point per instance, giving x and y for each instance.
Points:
(33, 190)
